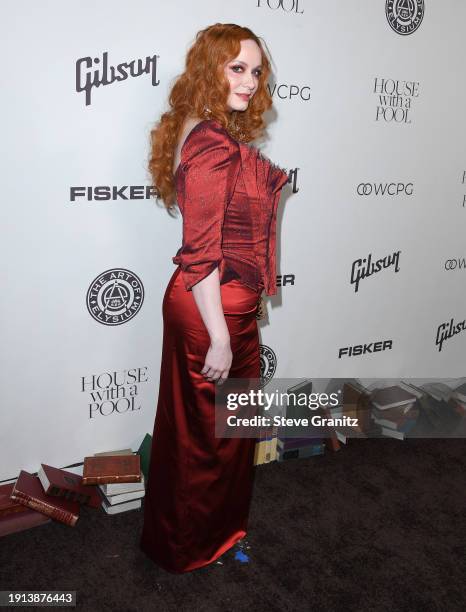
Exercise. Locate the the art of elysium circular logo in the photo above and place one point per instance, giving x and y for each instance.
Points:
(115, 296)
(404, 16)
(268, 361)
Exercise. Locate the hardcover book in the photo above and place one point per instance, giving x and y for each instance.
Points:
(122, 497)
(20, 521)
(104, 469)
(28, 490)
(144, 452)
(125, 506)
(117, 488)
(61, 483)
(8, 505)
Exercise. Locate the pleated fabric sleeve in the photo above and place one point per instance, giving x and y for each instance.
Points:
(204, 190)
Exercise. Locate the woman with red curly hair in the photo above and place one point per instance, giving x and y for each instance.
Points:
(199, 486)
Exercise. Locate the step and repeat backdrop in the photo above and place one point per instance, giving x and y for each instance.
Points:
(368, 119)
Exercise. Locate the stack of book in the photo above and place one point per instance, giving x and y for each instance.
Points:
(54, 494)
(119, 478)
(122, 496)
(115, 485)
(395, 409)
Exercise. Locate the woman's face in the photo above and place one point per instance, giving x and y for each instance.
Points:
(243, 74)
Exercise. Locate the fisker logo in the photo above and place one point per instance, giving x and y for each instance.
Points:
(285, 279)
(362, 349)
(268, 361)
(455, 264)
(92, 72)
(115, 296)
(102, 193)
(404, 16)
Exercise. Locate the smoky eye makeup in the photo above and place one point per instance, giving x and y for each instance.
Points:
(257, 72)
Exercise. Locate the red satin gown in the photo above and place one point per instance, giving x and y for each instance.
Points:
(199, 487)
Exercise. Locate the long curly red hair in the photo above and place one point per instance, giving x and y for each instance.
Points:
(203, 85)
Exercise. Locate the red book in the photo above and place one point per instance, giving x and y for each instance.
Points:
(19, 521)
(28, 490)
(61, 483)
(8, 505)
(104, 469)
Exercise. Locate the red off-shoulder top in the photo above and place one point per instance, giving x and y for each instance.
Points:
(228, 194)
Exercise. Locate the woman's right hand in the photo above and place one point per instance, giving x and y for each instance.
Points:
(218, 360)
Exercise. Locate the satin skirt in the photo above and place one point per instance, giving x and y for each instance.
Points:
(199, 487)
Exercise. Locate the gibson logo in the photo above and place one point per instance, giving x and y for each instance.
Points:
(362, 268)
(448, 330)
(87, 77)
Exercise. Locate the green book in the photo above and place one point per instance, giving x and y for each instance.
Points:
(144, 452)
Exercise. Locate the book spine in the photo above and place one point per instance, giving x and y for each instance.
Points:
(55, 513)
(106, 479)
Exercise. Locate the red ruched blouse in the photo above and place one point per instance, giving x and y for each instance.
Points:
(228, 194)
